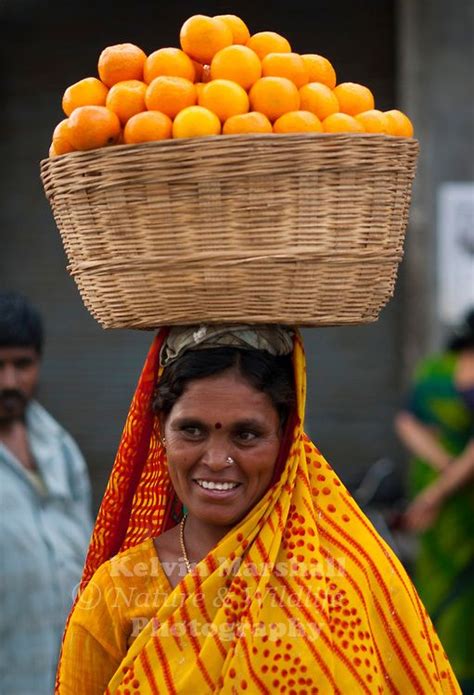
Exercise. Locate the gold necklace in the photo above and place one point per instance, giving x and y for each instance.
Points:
(189, 569)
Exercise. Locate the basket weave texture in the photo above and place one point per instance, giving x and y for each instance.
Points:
(303, 229)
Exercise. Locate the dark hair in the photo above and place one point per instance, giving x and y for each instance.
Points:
(20, 322)
(268, 373)
(463, 336)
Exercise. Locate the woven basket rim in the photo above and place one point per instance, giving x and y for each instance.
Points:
(237, 139)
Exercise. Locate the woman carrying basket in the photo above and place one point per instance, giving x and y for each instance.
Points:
(227, 556)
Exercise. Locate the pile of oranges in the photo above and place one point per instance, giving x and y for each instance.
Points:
(221, 80)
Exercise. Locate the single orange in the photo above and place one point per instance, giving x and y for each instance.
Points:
(252, 122)
(52, 151)
(87, 92)
(298, 122)
(201, 37)
(265, 42)
(93, 126)
(126, 99)
(224, 98)
(289, 65)
(196, 121)
(237, 63)
(240, 32)
(342, 123)
(373, 121)
(319, 99)
(147, 126)
(168, 61)
(354, 98)
(61, 138)
(170, 94)
(121, 62)
(319, 69)
(274, 96)
(399, 124)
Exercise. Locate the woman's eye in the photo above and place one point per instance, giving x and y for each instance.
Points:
(246, 436)
(192, 432)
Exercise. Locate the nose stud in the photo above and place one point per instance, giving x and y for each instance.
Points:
(229, 460)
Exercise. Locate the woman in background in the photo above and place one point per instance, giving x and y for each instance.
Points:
(438, 428)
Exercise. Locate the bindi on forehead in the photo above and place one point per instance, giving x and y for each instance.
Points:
(218, 426)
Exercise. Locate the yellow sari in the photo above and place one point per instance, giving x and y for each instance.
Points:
(301, 597)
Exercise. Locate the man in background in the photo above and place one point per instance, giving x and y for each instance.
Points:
(45, 515)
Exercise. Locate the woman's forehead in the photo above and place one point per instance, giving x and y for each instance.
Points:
(220, 397)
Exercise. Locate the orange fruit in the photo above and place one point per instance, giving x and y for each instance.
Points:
(240, 32)
(52, 151)
(237, 63)
(319, 99)
(354, 98)
(342, 123)
(289, 65)
(201, 37)
(93, 126)
(126, 99)
(298, 122)
(274, 96)
(170, 94)
(87, 92)
(373, 121)
(195, 121)
(121, 62)
(206, 73)
(147, 126)
(320, 69)
(252, 122)
(399, 124)
(224, 98)
(168, 61)
(265, 42)
(61, 138)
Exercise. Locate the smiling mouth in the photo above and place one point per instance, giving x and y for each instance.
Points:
(219, 487)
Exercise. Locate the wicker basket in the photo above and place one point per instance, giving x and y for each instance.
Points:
(292, 229)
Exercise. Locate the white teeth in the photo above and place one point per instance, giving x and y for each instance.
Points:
(208, 485)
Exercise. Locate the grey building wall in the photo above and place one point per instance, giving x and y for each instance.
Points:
(89, 374)
(435, 85)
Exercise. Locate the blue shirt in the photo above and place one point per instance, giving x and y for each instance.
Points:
(44, 531)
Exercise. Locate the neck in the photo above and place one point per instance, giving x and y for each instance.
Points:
(201, 538)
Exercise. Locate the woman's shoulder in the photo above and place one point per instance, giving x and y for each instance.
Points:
(136, 569)
(436, 366)
(139, 561)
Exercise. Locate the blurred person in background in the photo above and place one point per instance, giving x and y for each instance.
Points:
(45, 519)
(438, 428)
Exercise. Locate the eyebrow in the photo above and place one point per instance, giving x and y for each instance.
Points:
(247, 423)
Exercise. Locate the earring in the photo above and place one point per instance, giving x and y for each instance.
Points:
(163, 441)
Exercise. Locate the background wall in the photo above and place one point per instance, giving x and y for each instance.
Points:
(89, 374)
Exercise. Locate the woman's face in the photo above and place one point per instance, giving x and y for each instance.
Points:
(218, 418)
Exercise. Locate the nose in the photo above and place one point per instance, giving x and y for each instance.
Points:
(8, 377)
(216, 455)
